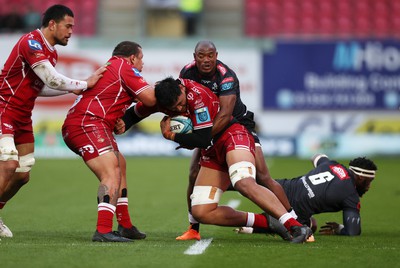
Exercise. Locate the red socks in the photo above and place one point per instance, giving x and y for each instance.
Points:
(291, 222)
(123, 217)
(256, 220)
(105, 215)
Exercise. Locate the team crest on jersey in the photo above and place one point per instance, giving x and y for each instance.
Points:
(35, 45)
(136, 71)
(202, 115)
(340, 172)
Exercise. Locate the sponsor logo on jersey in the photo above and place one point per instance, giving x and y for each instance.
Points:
(221, 69)
(340, 172)
(35, 45)
(202, 115)
(136, 71)
(226, 86)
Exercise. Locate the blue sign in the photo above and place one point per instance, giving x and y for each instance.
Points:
(341, 75)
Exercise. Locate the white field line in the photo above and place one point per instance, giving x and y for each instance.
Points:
(200, 246)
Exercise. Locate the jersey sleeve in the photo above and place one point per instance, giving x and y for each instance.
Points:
(351, 222)
(32, 51)
(133, 81)
(229, 84)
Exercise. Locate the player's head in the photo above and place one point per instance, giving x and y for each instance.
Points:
(132, 51)
(365, 170)
(170, 95)
(59, 21)
(205, 55)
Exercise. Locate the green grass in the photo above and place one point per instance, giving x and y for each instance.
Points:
(53, 219)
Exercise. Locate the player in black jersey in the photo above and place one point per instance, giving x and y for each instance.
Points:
(330, 187)
(207, 70)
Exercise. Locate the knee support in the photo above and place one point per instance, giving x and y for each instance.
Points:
(25, 163)
(8, 151)
(241, 170)
(203, 195)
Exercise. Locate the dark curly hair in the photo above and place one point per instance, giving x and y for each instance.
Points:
(364, 163)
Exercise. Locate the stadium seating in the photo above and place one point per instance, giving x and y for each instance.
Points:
(323, 18)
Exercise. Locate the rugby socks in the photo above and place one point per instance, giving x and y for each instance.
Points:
(105, 215)
(195, 225)
(288, 221)
(122, 213)
(256, 220)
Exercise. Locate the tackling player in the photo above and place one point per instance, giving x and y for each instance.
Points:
(227, 157)
(207, 70)
(330, 187)
(28, 72)
(88, 131)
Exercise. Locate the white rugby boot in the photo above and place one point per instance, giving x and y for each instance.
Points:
(4, 230)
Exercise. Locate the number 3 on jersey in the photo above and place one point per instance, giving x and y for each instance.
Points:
(321, 177)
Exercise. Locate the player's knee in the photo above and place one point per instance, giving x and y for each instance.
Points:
(26, 163)
(8, 151)
(241, 170)
(204, 195)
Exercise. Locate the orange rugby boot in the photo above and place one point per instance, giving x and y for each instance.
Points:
(190, 234)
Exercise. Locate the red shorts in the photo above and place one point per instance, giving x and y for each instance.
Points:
(89, 141)
(21, 129)
(236, 137)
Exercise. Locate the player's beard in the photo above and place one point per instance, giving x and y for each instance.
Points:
(61, 42)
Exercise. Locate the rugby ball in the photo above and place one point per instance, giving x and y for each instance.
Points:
(181, 124)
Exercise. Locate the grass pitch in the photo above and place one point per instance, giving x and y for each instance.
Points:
(53, 219)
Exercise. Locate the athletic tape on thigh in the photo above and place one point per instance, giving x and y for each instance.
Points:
(203, 195)
(7, 149)
(241, 170)
(25, 163)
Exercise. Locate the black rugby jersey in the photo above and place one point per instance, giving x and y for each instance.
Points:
(223, 82)
(329, 187)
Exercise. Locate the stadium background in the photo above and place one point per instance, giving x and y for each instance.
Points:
(320, 75)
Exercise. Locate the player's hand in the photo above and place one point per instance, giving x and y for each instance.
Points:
(183, 147)
(92, 80)
(165, 126)
(119, 127)
(331, 228)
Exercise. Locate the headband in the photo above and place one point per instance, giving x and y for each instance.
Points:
(363, 172)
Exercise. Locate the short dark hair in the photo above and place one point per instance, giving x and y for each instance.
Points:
(126, 49)
(167, 92)
(205, 42)
(364, 163)
(56, 13)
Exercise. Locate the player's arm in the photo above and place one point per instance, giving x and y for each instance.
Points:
(132, 116)
(199, 138)
(223, 117)
(319, 159)
(351, 225)
(53, 79)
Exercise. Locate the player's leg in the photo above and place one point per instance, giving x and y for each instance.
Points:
(125, 226)
(242, 175)
(193, 232)
(210, 184)
(264, 178)
(15, 165)
(107, 170)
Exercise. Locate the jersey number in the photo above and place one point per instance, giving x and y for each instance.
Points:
(321, 177)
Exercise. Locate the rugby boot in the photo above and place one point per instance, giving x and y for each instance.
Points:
(131, 233)
(275, 227)
(4, 230)
(109, 237)
(300, 234)
(190, 234)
